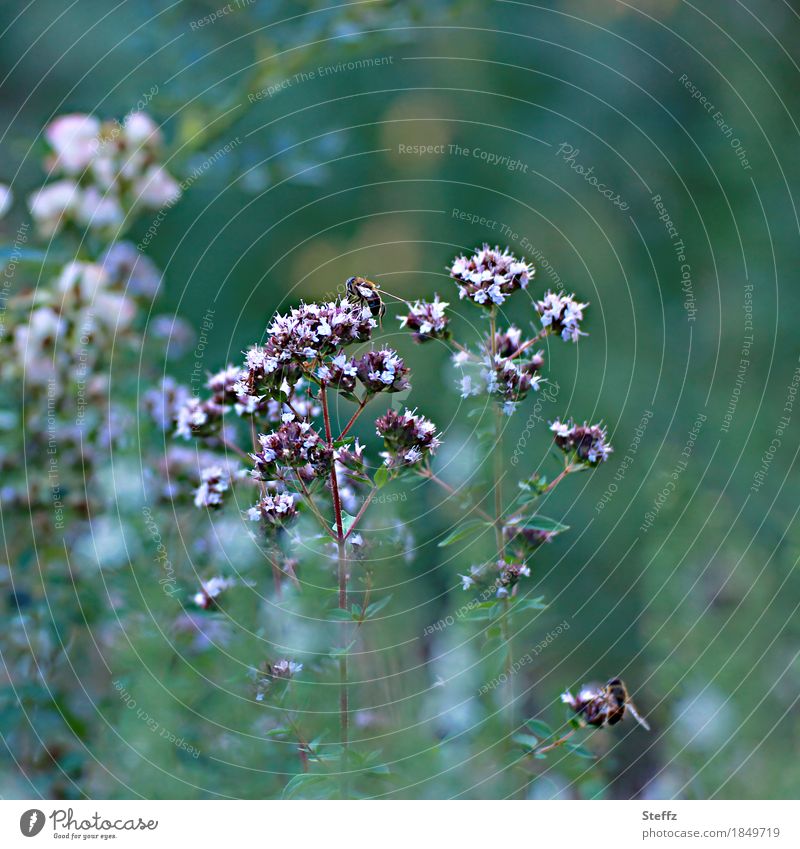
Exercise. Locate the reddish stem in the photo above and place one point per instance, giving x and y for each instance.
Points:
(363, 403)
(342, 569)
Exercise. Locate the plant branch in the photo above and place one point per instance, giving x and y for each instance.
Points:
(342, 574)
(427, 473)
(525, 345)
(361, 511)
(363, 403)
(555, 744)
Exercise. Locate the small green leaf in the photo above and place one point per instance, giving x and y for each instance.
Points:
(580, 751)
(347, 523)
(482, 612)
(526, 740)
(381, 477)
(339, 615)
(463, 530)
(542, 729)
(373, 608)
(305, 781)
(537, 603)
(543, 523)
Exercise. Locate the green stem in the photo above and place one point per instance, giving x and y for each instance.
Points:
(497, 485)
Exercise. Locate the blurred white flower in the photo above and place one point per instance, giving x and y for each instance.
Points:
(98, 210)
(139, 128)
(155, 188)
(6, 199)
(52, 205)
(74, 140)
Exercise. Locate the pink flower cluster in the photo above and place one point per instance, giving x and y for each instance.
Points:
(427, 320)
(407, 437)
(562, 314)
(490, 275)
(586, 442)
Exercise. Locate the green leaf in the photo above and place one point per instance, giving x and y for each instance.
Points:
(347, 523)
(580, 751)
(463, 530)
(482, 612)
(305, 781)
(373, 608)
(339, 615)
(537, 603)
(381, 477)
(526, 740)
(543, 523)
(542, 729)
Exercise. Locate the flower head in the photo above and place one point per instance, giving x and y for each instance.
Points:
(510, 573)
(210, 591)
(131, 271)
(523, 540)
(408, 438)
(224, 385)
(427, 320)
(340, 371)
(214, 482)
(304, 335)
(587, 443)
(490, 275)
(511, 380)
(383, 371)
(294, 445)
(275, 509)
(197, 418)
(563, 314)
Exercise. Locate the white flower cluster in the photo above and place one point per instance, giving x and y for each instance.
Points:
(275, 509)
(563, 314)
(214, 483)
(586, 442)
(490, 275)
(427, 320)
(211, 590)
(105, 170)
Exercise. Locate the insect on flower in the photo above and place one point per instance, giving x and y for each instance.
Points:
(365, 292)
(602, 706)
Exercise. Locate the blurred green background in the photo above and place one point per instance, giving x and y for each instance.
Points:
(698, 610)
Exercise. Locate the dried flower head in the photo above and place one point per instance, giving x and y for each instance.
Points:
(407, 437)
(587, 443)
(427, 320)
(490, 275)
(562, 314)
